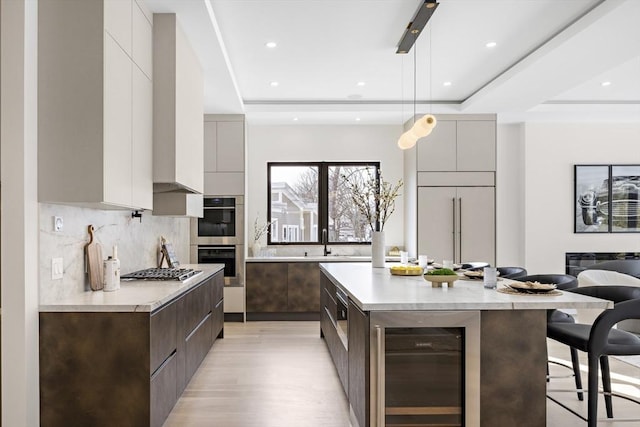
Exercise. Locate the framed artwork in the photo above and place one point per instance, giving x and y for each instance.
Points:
(606, 199)
(624, 211)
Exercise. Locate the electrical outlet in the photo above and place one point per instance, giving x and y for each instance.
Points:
(57, 268)
(58, 223)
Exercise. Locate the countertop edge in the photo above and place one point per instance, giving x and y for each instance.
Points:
(159, 294)
(511, 302)
(318, 258)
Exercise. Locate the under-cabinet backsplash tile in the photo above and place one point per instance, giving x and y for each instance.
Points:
(138, 244)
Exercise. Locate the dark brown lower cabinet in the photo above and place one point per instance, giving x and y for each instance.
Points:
(282, 291)
(303, 287)
(125, 368)
(266, 287)
(358, 364)
(164, 392)
(329, 330)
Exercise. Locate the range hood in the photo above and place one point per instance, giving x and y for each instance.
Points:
(177, 203)
(178, 109)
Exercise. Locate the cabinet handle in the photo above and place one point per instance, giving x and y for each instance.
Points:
(460, 229)
(453, 200)
(380, 412)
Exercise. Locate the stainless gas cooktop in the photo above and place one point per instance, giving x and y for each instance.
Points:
(180, 274)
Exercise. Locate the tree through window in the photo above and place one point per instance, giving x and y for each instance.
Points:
(310, 197)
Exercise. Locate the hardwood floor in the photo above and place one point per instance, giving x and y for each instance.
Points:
(265, 374)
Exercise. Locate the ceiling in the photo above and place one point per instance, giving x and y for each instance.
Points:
(550, 59)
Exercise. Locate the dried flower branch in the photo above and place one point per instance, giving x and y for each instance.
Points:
(260, 230)
(373, 196)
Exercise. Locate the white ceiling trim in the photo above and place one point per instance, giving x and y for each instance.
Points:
(223, 51)
(548, 63)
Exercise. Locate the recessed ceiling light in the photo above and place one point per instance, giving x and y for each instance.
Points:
(295, 119)
(491, 44)
(274, 84)
(606, 84)
(357, 119)
(271, 45)
(361, 83)
(446, 84)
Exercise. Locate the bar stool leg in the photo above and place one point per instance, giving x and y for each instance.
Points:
(592, 392)
(576, 372)
(606, 385)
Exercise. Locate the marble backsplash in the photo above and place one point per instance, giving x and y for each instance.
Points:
(138, 244)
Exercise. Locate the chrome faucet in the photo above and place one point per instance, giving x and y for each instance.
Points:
(324, 242)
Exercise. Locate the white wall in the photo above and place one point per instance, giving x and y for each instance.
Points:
(551, 150)
(510, 195)
(138, 244)
(321, 143)
(19, 223)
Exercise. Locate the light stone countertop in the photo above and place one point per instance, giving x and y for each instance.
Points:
(134, 295)
(373, 289)
(318, 258)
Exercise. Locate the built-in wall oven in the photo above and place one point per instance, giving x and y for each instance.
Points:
(217, 237)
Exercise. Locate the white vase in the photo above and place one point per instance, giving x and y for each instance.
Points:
(256, 249)
(377, 249)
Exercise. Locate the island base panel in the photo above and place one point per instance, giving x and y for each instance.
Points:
(513, 368)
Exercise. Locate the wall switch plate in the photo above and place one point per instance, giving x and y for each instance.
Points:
(58, 223)
(57, 268)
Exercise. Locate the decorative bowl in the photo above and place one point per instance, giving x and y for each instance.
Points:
(437, 281)
(405, 270)
(532, 287)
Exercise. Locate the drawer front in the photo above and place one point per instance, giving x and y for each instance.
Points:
(218, 320)
(197, 346)
(336, 349)
(163, 333)
(328, 302)
(197, 305)
(218, 287)
(327, 284)
(164, 394)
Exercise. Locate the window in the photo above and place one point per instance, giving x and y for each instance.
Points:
(306, 198)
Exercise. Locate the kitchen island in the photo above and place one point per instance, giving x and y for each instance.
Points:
(498, 369)
(125, 357)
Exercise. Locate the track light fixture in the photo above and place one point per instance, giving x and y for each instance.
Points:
(424, 125)
(417, 24)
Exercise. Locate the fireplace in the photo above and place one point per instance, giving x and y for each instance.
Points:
(575, 262)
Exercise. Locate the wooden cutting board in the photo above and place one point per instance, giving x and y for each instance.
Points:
(93, 253)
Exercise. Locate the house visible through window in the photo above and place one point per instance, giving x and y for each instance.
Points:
(306, 198)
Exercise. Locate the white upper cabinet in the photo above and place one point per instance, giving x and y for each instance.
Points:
(142, 40)
(142, 138)
(117, 147)
(178, 100)
(117, 22)
(230, 146)
(224, 143)
(210, 146)
(459, 144)
(476, 144)
(94, 107)
(437, 152)
(224, 154)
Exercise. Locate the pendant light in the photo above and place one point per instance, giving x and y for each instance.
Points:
(424, 125)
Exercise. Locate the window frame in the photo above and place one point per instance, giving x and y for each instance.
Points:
(323, 197)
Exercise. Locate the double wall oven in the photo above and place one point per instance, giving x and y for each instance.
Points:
(217, 237)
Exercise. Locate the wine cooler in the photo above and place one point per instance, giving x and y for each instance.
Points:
(425, 368)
